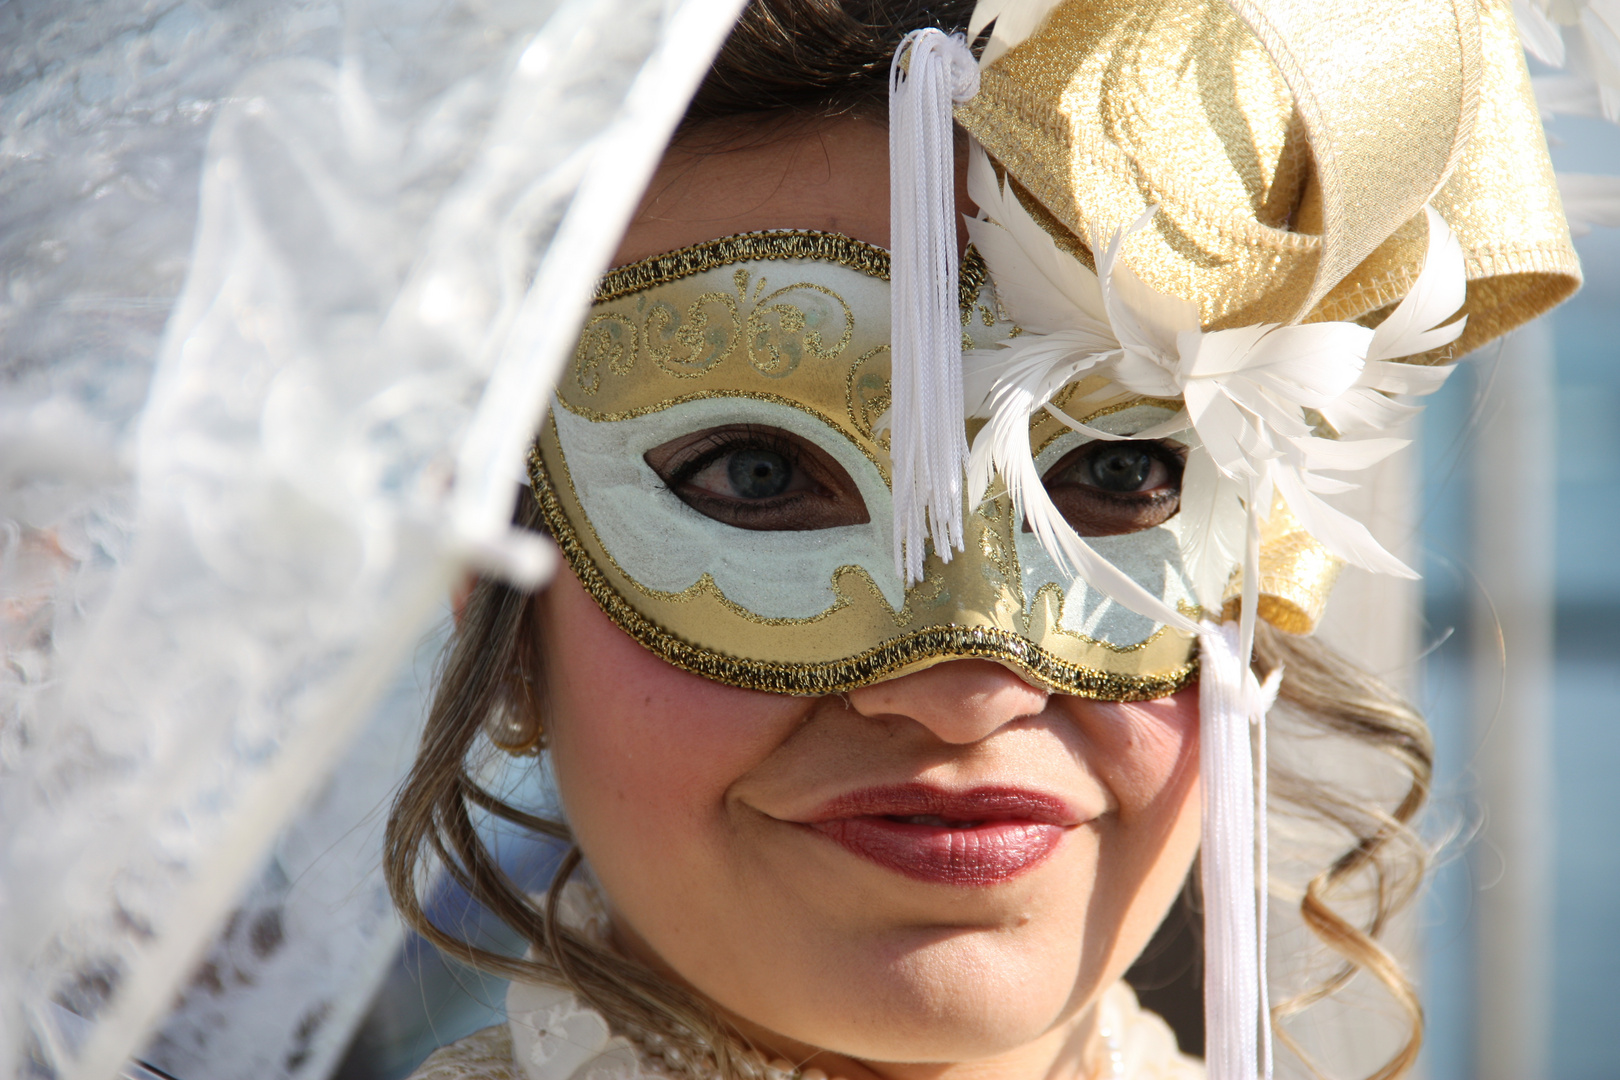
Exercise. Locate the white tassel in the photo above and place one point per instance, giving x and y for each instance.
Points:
(928, 440)
(1237, 1017)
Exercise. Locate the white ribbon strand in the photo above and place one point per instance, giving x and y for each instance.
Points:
(1231, 702)
(931, 72)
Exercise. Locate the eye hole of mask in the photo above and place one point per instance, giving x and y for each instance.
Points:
(1111, 488)
(759, 478)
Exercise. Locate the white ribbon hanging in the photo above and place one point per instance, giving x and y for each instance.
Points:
(931, 72)
(1232, 772)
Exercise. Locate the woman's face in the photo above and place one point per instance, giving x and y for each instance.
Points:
(946, 867)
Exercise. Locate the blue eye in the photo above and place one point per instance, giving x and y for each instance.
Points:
(759, 478)
(757, 473)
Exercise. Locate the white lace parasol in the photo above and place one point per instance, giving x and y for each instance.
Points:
(286, 284)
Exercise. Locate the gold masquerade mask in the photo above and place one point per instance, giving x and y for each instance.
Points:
(767, 356)
(717, 467)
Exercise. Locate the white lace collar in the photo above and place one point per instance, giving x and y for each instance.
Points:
(555, 1036)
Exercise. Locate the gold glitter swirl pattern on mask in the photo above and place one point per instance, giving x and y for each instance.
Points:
(867, 397)
(707, 331)
(893, 657)
(607, 338)
(668, 331)
(780, 336)
(800, 331)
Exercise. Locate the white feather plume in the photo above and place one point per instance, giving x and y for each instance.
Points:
(1246, 391)
(1044, 288)
(1540, 35)
(1437, 295)
(1015, 21)
(1212, 521)
(1002, 448)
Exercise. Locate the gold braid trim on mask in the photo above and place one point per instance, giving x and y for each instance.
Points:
(862, 669)
(770, 246)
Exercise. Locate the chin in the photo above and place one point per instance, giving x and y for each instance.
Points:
(962, 997)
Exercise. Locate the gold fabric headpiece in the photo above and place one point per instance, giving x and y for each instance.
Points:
(1290, 148)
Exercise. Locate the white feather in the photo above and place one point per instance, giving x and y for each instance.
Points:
(1590, 201)
(1212, 517)
(1173, 426)
(1347, 455)
(1361, 410)
(1307, 365)
(1340, 533)
(1064, 355)
(1539, 34)
(1598, 25)
(1437, 295)
(1015, 21)
(1222, 427)
(1396, 378)
(1031, 375)
(1146, 321)
(1044, 288)
(1367, 407)
(1327, 485)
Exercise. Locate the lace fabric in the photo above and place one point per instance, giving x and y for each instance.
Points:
(552, 1035)
(483, 1055)
(288, 283)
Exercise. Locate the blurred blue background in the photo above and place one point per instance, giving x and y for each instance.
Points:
(1582, 459)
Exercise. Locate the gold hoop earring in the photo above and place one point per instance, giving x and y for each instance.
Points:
(514, 731)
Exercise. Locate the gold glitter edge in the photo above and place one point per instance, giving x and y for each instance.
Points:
(873, 261)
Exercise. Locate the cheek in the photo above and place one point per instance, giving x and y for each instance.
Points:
(1147, 754)
(643, 752)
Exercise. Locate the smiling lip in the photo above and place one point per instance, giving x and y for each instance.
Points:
(971, 838)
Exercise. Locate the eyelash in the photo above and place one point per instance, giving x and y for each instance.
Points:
(717, 446)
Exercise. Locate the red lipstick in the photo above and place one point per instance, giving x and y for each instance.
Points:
(972, 838)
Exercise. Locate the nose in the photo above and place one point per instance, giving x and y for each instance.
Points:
(960, 701)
